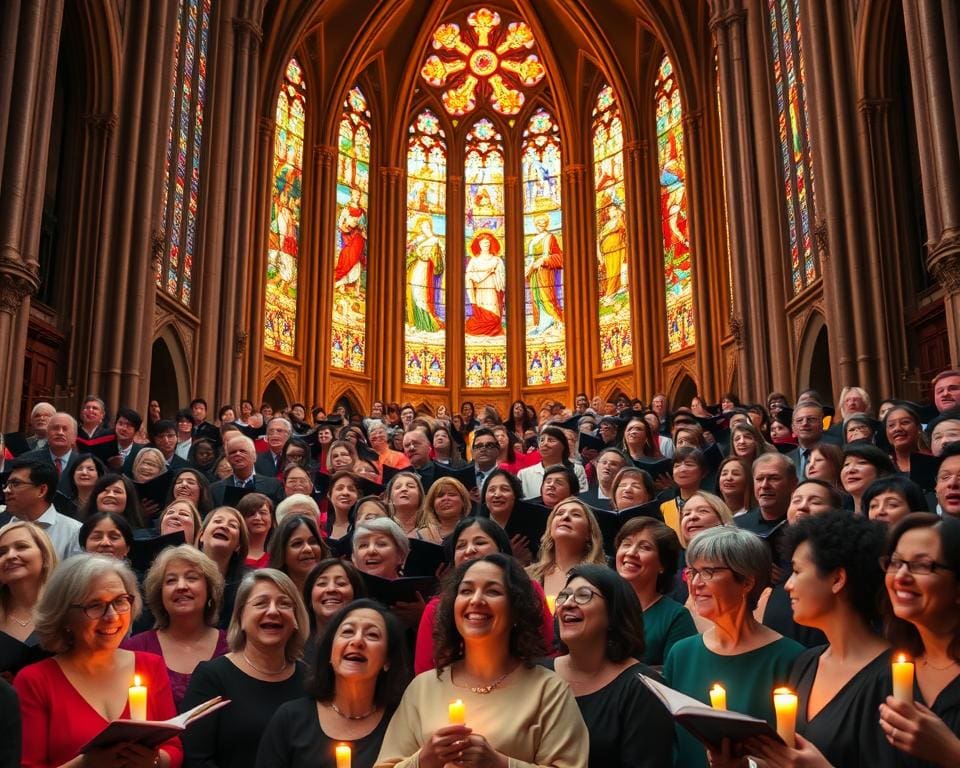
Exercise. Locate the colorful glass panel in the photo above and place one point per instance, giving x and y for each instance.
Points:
(616, 338)
(545, 339)
(181, 189)
(793, 132)
(286, 195)
(485, 277)
(349, 326)
(425, 316)
(677, 259)
(486, 60)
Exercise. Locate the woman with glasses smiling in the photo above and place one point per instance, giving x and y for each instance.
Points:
(85, 612)
(921, 616)
(728, 569)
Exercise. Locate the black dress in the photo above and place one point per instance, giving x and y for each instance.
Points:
(294, 739)
(847, 729)
(16, 654)
(229, 738)
(946, 707)
(629, 727)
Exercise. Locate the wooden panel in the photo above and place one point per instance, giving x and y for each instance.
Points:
(42, 362)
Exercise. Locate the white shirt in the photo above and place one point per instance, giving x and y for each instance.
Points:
(531, 478)
(183, 449)
(63, 531)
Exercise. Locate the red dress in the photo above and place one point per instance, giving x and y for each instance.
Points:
(58, 721)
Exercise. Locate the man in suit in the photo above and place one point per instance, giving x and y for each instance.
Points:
(60, 450)
(486, 451)
(279, 431)
(416, 447)
(242, 457)
(202, 427)
(39, 418)
(946, 390)
(29, 492)
(126, 426)
(92, 413)
(774, 480)
(164, 438)
(808, 429)
(609, 462)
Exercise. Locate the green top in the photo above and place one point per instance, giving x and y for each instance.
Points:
(664, 622)
(749, 679)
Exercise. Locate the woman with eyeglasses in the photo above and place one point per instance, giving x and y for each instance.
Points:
(727, 570)
(833, 587)
(84, 614)
(921, 616)
(602, 642)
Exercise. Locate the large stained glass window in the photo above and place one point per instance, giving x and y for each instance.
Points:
(672, 167)
(181, 187)
(795, 156)
(283, 255)
(616, 338)
(425, 316)
(545, 344)
(485, 275)
(348, 345)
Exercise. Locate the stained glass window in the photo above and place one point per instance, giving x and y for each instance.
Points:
(616, 338)
(283, 255)
(677, 265)
(545, 339)
(181, 187)
(348, 343)
(425, 316)
(490, 60)
(485, 276)
(794, 135)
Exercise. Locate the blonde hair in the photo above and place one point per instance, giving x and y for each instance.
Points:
(147, 456)
(439, 485)
(153, 584)
(237, 638)
(49, 554)
(593, 549)
(244, 548)
(194, 513)
(718, 505)
(423, 519)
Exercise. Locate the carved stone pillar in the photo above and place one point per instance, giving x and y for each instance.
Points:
(580, 265)
(385, 363)
(933, 28)
(323, 207)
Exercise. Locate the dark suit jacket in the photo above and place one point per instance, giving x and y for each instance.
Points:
(268, 486)
(592, 498)
(98, 432)
(427, 473)
(10, 732)
(127, 467)
(265, 465)
(177, 462)
(43, 454)
(207, 430)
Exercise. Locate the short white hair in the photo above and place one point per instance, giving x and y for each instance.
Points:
(44, 405)
(292, 502)
(387, 527)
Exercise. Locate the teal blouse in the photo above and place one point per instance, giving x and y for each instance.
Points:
(664, 623)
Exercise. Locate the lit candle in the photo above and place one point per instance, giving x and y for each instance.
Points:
(552, 603)
(343, 756)
(785, 704)
(458, 713)
(138, 700)
(718, 696)
(903, 679)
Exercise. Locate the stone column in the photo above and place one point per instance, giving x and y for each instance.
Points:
(579, 283)
(385, 360)
(933, 29)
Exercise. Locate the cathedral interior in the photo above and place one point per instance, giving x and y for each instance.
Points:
(435, 201)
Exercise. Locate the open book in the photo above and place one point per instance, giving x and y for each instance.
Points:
(708, 725)
(151, 733)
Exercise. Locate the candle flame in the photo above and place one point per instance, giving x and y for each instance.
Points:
(902, 658)
(782, 691)
(717, 687)
(136, 681)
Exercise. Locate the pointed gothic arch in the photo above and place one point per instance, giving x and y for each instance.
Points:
(813, 358)
(169, 370)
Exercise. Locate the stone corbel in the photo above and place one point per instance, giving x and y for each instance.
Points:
(16, 283)
(944, 262)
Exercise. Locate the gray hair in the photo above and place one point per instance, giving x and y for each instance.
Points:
(788, 465)
(284, 420)
(743, 552)
(372, 424)
(68, 587)
(237, 638)
(294, 500)
(387, 527)
(42, 404)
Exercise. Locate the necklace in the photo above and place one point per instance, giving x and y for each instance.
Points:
(255, 668)
(939, 669)
(22, 623)
(483, 690)
(364, 716)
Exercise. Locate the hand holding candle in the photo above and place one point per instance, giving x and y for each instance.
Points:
(343, 756)
(718, 696)
(903, 679)
(785, 704)
(457, 713)
(138, 700)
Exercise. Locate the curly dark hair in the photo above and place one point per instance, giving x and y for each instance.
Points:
(393, 678)
(899, 632)
(624, 613)
(838, 539)
(357, 583)
(526, 615)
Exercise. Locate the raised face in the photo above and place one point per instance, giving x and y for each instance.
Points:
(744, 444)
(481, 609)
(241, 456)
(854, 403)
(857, 430)
(91, 413)
(378, 555)
(697, 515)
(448, 505)
(113, 498)
(948, 485)
(41, 418)
(277, 434)
(856, 474)
(630, 492)
(554, 488)
(808, 499)
(186, 486)
(107, 539)
(298, 481)
(416, 447)
(638, 559)
(222, 534)
(369, 511)
(405, 493)
(178, 517)
(607, 467)
(331, 591)
(943, 434)
(819, 467)
(124, 429)
(360, 649)
(184, 590)
(635, 435)
(570, 523)
(441, 441)
(946, 393)
(20, 557)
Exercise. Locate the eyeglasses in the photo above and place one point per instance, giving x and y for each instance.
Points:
(14, 484)
(806, 419)
(580, 596)
(921, 567)
(486, 446)
(706, 573)
(120, 604)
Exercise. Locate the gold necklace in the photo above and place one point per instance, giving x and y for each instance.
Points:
(939, 669)
(364, 716)
(255, 668)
